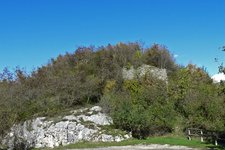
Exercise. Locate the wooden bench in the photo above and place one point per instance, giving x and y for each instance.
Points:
(194, 132)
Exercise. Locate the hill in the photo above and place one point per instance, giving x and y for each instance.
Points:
(144, 105)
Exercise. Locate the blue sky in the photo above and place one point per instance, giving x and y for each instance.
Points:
(33, 31)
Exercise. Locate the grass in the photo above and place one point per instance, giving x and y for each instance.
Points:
(171, 140)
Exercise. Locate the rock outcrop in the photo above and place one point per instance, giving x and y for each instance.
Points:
(132, 73)
(80, 125)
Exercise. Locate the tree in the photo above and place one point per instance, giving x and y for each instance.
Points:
(159, 56)
(196, 99)
(141, 107)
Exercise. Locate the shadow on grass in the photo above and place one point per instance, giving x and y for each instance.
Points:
(219, 147)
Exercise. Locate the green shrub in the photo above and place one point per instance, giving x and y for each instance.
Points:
(141, 109)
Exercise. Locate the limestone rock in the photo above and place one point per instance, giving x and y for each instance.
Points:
(132, 73)
(81, 125)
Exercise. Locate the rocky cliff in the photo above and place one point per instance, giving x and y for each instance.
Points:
(132, 73)
(88, 124)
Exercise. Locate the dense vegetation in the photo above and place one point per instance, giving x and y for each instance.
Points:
(145, 106)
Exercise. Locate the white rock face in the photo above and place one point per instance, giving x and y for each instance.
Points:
(144, 70)
(218, 77)
(80, 125)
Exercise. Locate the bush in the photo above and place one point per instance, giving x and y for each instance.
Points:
(139, 112)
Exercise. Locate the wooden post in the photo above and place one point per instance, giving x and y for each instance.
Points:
(216, 142)
(189, 138)
(189, 134)
(202, 136)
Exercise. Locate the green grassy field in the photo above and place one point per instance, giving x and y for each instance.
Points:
(171, 140)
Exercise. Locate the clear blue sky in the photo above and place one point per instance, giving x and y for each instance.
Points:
(33, 31)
